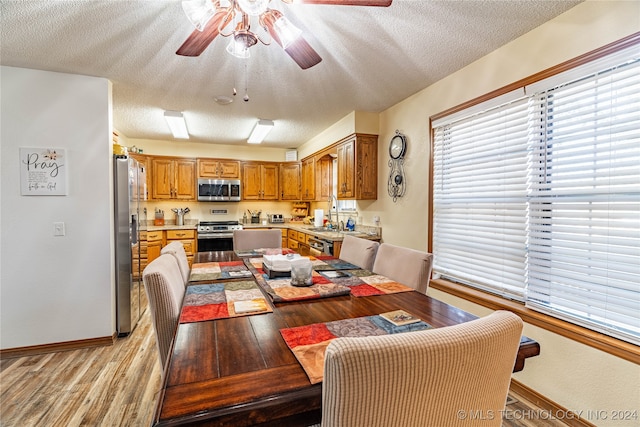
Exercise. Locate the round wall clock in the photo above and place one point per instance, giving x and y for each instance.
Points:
(397, 146)
(396, 182)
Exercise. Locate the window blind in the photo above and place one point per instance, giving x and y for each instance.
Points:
(479, 199)
(584, 237)
(538, 198)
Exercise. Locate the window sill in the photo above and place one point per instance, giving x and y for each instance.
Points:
(582, 335)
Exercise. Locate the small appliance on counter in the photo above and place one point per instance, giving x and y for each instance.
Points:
(276, 218)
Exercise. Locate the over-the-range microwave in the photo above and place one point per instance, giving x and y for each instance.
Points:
(218, 190)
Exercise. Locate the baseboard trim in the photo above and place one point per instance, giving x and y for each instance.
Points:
(549, 406)
(55, 347)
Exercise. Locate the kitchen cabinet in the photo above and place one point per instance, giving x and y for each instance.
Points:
(308, 175)
(155, 242)
(324, 178)
(299, 241)
(290, 181)
(213, 168)
(358, 167)
(173, 178)
(188, 239)
(259, 181)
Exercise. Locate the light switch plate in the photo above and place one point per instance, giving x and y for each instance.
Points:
(58, 228)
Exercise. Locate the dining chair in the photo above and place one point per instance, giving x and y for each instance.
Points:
(165, 289)
(177, 250)
(358, 251)
(407, 266)
(255, 239)
(433, 377)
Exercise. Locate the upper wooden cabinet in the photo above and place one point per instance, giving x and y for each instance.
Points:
(173, 178)
(214, 168)
(308, 179)
(358, 167)
(259, 181)
(324, 178)
(290, 181)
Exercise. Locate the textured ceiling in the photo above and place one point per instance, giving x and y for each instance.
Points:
(372, 58)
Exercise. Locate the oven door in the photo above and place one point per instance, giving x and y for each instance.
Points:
(215, 242)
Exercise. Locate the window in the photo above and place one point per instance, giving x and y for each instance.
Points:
(537, 197)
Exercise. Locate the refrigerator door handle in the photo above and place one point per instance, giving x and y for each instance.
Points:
(134, 230)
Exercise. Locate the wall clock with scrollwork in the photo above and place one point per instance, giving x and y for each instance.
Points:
(397, 148)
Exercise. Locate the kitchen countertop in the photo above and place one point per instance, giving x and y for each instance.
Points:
(334, 236)
(189, 225)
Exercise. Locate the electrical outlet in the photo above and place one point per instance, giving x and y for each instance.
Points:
(58, 228)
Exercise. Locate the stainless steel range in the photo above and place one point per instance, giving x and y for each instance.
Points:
(216, 235)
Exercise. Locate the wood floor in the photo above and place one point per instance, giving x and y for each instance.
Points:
(116, 386)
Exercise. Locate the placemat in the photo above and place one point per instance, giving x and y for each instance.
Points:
(264, 251)
(318, 263)
(364, 283)
(309, 343)
(206, 271)
(281, 290)
(216, 300)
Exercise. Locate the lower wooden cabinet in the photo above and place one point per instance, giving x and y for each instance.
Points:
(188, 239)
(152, 242)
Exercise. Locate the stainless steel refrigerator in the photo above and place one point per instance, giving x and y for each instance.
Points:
(129, 192)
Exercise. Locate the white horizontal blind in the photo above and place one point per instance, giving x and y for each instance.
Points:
(480, 199)
(584, 237)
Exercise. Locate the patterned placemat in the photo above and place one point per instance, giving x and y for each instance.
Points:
(364, 283)
(264, 251)
(309, 343)
(206, 271)
(331, 277)
(217, 301)
(281, 290)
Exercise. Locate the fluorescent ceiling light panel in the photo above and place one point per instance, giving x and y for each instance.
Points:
(260, 131)
(176, 123)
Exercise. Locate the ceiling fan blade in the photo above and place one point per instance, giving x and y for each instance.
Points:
(198, 41)
(302, 52)
(381, 3)
(299, 50)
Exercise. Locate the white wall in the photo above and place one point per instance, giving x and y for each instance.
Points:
(56, 289)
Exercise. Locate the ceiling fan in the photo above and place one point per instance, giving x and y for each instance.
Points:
(212, 17)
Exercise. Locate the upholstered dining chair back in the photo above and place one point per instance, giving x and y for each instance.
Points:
(361, 252)
(407, 266)
(165, 289)
(177, 250)
(426, 378)
(255, 239)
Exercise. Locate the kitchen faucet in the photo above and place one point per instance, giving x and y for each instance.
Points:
(331, 200)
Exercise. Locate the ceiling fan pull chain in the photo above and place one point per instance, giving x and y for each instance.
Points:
(246, 82)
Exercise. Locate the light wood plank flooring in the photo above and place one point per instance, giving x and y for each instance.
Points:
(111, 386)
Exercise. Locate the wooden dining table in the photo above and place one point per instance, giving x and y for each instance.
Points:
(239, 371)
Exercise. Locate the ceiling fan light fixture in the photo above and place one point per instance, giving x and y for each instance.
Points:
(238, 49)
(287, 32)
(199, 12)
(260, 131)
(177, 125)
(253, 7)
